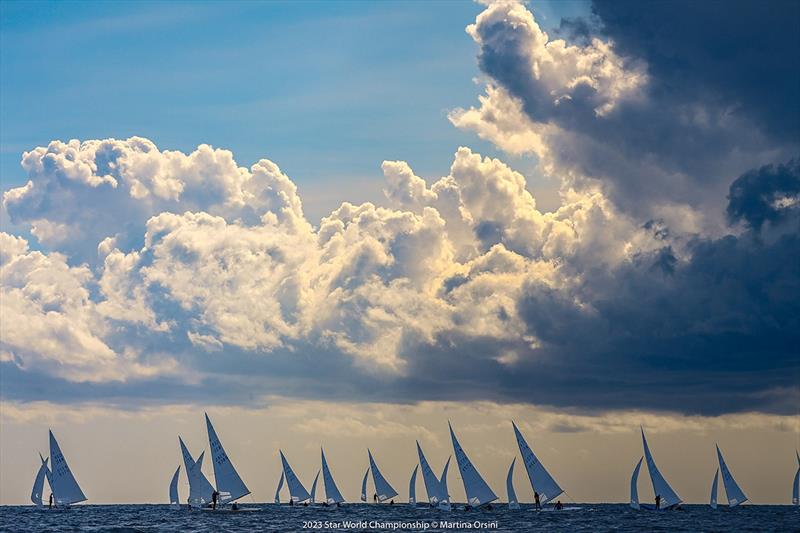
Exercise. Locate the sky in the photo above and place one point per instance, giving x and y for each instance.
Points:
(344, 224)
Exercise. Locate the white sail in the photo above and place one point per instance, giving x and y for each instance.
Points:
(63, 484)
(38, 482)
(278, 490)
(635, 485)
(314, 488)
(412, 487)
(364, 486)
(200, 489)
(205, 489)
(444, 504)
(297, 492)
(332, 494)
(513, 503)
(174, 501)
(732, 489)
(713, 501)
(432, 486)
(229, 485)
(382, 487)
(541, 480)
(669, 497)
(796, 483)
(478, 492)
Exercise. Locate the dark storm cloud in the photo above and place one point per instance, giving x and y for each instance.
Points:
(720, 96)
(768, 194)
(716, 334)
(740, 53)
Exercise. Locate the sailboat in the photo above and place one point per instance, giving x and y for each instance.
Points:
(412, 487)
(200, 489)
(230, 486)
(669, 498)
(733, 492)
(478, 491)
(332, 494)
(174, 501)
(513, 503)
(542, 482)
(66, 490)
(314, 488)
(383, 490)
(796, 483)
(38, 483)
(297, 492)
(437, 493)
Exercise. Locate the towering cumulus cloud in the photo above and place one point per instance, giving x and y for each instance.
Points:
(661, 120)
(667, 279)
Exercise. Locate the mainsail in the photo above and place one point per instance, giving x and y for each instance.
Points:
(174, 501)
(412, 487)
(63, 484)
(364, 486)
(314, 488)
(38, 482)
(513, 503)
(669, 497)
(432, 486)
(382, 487)
(332, 494)
(478, 492)
(278, 490)
(713, 501)
(732, 490)
(200, 489)
(297, 492)
(229, 485)
(634, 485)
(541, 481)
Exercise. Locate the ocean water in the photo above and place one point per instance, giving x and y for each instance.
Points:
(271, 518)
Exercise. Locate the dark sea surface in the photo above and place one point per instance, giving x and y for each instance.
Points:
(604, 517)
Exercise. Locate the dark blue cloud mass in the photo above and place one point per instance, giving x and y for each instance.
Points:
(768, 194)
(740, 54)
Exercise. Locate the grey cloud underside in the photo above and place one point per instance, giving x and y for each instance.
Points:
(161, 277)
(713, 335)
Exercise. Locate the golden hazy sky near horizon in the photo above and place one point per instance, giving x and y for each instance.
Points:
(129, 456)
